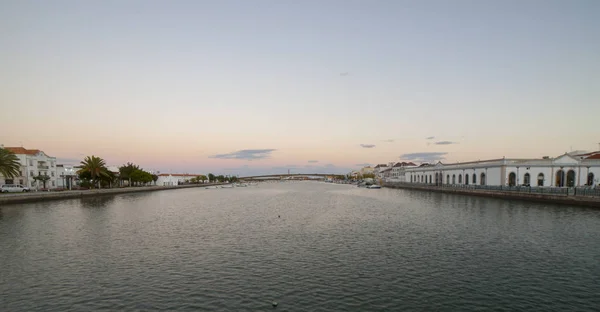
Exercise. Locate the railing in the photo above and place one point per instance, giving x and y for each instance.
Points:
(42, 167)
(564, 191)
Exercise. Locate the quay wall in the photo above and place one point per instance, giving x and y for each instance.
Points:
(6, 199)
(589, 201)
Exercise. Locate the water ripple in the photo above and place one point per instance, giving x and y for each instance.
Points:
(309, 246)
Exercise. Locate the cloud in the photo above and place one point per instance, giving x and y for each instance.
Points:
(250, 154)
(367, 145)
(430, 138)
(362, 165)
(313, 161)
(445, 143)
(389, 140)
(424, 156)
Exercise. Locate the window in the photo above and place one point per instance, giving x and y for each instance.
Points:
(447, 179)
(482, 179)
(31, 162)
(474, 178)
(453, 179)
(31, 173)
(540, 179)
(460, 179)
(590, 179)
(52, 183)
(21, 181)
(466, 179)
(512, 179)
(52, 173)
(526, 179)
(9, 181)
(570, 178)
(20, 174)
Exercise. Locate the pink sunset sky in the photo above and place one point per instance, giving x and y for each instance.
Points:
(234, 88)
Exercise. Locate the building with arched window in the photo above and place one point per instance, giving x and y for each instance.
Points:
(568, 170)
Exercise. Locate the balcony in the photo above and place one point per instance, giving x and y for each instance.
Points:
(42, 167)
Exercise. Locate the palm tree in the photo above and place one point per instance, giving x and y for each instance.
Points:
(9, 164)
(95, 166)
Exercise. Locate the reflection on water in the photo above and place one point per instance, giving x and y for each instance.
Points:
(310, 246)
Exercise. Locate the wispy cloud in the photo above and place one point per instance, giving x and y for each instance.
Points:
(445, 143)
(367, 145)
(250, 154)
(424, 156)
(430, 138)
(313, 161)
(389, 140)
(362, 165)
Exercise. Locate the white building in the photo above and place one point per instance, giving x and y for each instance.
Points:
(568, 170)
(33, 163)
(67, 176)
(173, 179)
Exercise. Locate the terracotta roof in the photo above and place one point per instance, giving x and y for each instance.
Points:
(595, 156)
(22, 150)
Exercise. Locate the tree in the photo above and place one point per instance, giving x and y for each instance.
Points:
(95, 166)
(220, 178)
(154, 178)
(211, 177)
(125, 171)
(233, 179)
(140, 176)
(42, 178)
(9, 164)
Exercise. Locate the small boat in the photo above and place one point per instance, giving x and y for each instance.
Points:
(374, 186)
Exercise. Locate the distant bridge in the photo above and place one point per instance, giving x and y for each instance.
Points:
(291, 175)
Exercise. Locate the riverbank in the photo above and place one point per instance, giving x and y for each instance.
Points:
(588, 201)
(18, 198)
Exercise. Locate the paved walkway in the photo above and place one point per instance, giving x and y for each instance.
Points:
(13, 198)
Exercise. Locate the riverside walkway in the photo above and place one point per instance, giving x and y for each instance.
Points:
(567, 196)
(14, 198)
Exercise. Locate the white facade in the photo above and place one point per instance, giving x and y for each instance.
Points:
(174, 179)
(563, 171)
(33, 163)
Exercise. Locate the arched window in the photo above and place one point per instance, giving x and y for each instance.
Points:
(570, 178)
(466, 179)
(474, 178)
(526, 179)
(512, 179)
(540, 179)
(453, 179)
(447, 179)
(590, 179)
(560, 178)
(460, 179)
(482, 179)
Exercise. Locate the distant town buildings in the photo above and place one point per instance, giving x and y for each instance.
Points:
(172, 179)
(575, 169)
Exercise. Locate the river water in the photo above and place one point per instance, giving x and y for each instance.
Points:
(309, 246)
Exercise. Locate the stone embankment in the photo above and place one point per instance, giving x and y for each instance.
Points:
(589, 201)
(44, 196)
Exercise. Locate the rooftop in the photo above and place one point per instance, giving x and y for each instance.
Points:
(22, 150)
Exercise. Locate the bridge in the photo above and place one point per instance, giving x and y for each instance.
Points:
(289, 175)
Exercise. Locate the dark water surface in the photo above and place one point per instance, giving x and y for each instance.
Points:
(335, 248)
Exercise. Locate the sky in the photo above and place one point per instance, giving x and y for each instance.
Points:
(263, 86)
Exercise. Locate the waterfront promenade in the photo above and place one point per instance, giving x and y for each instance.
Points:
(15, 198)
(578, 197)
